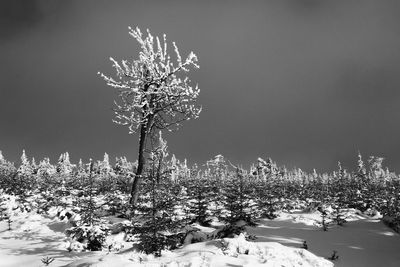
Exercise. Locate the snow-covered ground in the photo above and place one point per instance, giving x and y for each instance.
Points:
(363, 241)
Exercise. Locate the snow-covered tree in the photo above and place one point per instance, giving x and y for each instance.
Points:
(105, 167)
(266, 168)
(267, 198)
(179, 169)
(45, 171)
(105, 175)
(25, 169)
(123, 166)
(34, 166)
(87, 202)
(375, 165)
(81, 166)
(5, 165)
(7, 172)
(64, 165)
(361, 171)
(157, 204)
(153, 94)
(237, 199)
(90, 229)
(81, 175)
(124, 171)
(200, 192)
(217, 167)
(24, 180)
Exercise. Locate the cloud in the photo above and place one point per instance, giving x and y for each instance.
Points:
(18, 17)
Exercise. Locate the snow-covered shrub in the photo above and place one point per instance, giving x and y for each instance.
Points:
(92, 237)
(47, 260)
(324, 218)
(117, 204)
(338, 215)
(334, 256)
(8, 207)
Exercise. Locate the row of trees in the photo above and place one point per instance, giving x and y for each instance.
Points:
(173, 194)
(305, 185)
(360, 188)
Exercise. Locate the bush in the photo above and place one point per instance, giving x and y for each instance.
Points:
(93, 237)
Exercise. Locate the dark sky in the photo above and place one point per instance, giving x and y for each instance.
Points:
(306, 82)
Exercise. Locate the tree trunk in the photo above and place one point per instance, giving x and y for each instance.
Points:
(141, 162)
(139, 170)
(144, 131)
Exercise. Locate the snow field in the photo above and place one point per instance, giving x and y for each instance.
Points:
(363, 241)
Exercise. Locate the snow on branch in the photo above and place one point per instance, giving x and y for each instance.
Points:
(150, 88)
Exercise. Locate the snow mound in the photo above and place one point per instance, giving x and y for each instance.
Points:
(271, 254)
(226, 252)
(239, 245)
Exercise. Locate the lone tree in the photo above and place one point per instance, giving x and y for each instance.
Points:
(152, 93)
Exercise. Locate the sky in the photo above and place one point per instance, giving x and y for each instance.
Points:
(307, 83)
